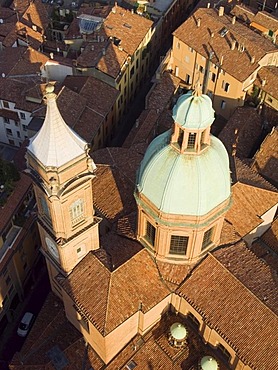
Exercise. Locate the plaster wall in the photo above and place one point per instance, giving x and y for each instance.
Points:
(267, 219)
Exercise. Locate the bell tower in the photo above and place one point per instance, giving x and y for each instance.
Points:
(62, 173)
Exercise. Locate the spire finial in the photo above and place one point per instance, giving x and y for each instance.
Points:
(49, 91)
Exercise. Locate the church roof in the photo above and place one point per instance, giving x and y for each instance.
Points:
(183, 183)
(234, 311)
(110, 298)
(55, 144)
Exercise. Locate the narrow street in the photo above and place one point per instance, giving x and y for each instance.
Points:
(10, 342)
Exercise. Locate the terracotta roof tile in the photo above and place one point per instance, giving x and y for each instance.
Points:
(116, 157)
(266, 159)
(23, 185)
(266, 20)
(249, 203)
(269, 75)
(129, 27)
(85, 105)
(243, 130)
(235, 63)
(254, 274)
(234, 312)
(105, 297)
(152, 118)
(243, 13)
(249, 176)
(113, 194)
(13, 90)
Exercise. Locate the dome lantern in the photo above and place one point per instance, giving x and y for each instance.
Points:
(193, 115)
(177, 335)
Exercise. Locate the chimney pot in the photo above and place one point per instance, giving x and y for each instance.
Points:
(233, 45)
(198, 22)
(263, 82)
(252, 60)
(208, 5)
(234, 19)
(221, 11)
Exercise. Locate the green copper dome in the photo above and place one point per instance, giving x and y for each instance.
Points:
(193, 111)
(178, 331)
(208, 363)
(185, 183)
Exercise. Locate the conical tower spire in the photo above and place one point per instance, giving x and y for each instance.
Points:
(55, 144)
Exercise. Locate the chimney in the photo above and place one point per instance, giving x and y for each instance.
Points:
(221, 60)
(234, 19)
(252, 60)
(198, 22)
(103, 51)
(233, 45)
(208, 5)
(212, 34)
(221, 11)
(263, 82)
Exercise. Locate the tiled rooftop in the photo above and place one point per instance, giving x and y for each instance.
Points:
(104, 296)
(113, 193)
(266, 158)
(129, 29)
(254, 274)
(230, 308)
(237, 64)
(151, 119)
(84, 104)
(15, 90)
(268, 74)
(242, 131)
(14, 200)
(249, 203)
(21, 61)
(266, 20)
(250, 176)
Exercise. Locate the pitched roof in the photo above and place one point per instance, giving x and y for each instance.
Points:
(85, 104)
(109, 56)
(110, 298)
(237, 64)
(15, 91)
(266, 158)
(269, 75)
(14, 200)
(249, 204)
(252, 272)
(266, 20)
(231, 309)
(247, 175)
(113, 194)
(21, 61)
(242, 131)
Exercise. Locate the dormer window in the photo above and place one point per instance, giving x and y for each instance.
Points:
(191, 140)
